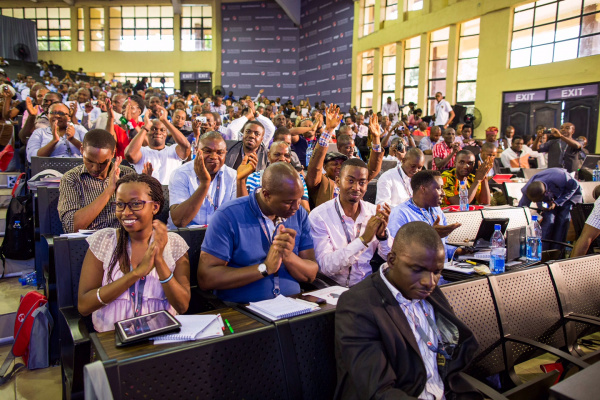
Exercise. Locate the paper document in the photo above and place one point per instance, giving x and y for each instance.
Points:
(330, 294)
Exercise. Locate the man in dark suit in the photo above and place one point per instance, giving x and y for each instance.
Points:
(396, 335)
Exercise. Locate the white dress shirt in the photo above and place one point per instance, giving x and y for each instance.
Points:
(334, 254)
(363, 131)
(393, 187)
(94, 114)
(391, 108)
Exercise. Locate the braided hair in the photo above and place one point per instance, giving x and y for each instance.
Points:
(156, 194)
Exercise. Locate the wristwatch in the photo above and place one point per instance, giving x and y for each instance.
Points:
(262, 268)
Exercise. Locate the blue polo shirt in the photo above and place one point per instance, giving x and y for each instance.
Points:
(234, 235)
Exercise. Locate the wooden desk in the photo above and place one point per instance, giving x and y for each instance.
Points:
(104, 342)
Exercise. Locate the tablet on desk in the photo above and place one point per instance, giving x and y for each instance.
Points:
(140, 328)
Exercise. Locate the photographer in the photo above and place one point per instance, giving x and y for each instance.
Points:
(563, 151)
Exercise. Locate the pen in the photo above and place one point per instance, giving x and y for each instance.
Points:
(229, 326)
(471, 262)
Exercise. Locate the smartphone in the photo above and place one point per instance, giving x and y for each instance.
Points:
(201, 119)
(235, 109)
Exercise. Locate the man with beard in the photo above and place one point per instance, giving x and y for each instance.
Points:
(198, 188)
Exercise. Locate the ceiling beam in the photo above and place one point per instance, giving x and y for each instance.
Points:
(176, 7)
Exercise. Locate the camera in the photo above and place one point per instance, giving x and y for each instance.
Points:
(201, 119)
(548, 131)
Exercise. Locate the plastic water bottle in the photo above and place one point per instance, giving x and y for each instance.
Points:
(534, 240)
(463, 194)
(193, 148)
(309, 151)
(596, 174)
(498, 253)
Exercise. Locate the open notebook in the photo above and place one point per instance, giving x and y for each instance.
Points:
(282, 307)
(194, 327)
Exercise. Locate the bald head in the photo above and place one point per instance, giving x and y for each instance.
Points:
(536, 191)
(414, 153)
(280, 177)
(211, 136)
(418, 233)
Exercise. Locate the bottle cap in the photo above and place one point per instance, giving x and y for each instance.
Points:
(534, 217)
(497, 227)
(462, 182)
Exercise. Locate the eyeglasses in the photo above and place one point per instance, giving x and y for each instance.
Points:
(59, 113)
(135, 205)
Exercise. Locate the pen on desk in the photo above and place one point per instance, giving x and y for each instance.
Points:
(229, 326)
(471, 262)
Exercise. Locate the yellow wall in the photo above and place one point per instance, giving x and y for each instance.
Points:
(119, 61)
(493, 75)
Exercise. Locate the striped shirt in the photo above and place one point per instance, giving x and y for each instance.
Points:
(78, 189)
(441, 150)
(255, 181)
(594, 218)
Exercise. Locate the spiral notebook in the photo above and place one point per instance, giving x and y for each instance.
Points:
(282, 307)
(194, 327)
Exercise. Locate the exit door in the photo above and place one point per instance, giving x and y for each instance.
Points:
(583, 113)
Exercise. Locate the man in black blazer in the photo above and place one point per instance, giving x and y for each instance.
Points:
(396, 336)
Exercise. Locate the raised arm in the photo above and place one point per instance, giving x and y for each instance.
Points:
(376, 156)
(133, 151)
(183, 145)
(314, 173)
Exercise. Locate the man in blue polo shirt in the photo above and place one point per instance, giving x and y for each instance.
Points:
(259, 245)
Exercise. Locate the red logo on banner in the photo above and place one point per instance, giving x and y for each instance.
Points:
(263, 50)
(320, 42)
(278, 16)
(339, 90)
(341, 61)
(294, 73)
(333, 49)
(234, 18)
(223, 51)
(342, 34)
(262, 73)
(257, 28)
(226, 29)
(293, 49)
(333, 77)
(279, 85)
(222, 7)
(304, 83)
(319, 67)
(320, 18)
(305, 58)
(293, 97)
(262, 5)
(278, 37)
(278, 61)
(318, 93)
(234, 39)
(234, 86)
(235, 61)
(222, 73)
(334, 23)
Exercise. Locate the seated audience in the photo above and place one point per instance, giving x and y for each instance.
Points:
(60, 139)
(346, 145)
(249, 180)
(322, 188)
(237, 127)
(85, 111)
(396, 336)
(198, 188)
(259, 246)
(509, 134)
(125, 132)
(560, 191)
(479, 189)
(393, 186)
(347, 231)
(37, 118)
(117, 102)
(591, 230)
(163, 159)
(424, 206)
(137, 268)
(487, 150)
(465, 138)
(183, 126)
(304, 138)
(282, 134)
(421, 129)
(86, 191)
(426, 144)
(517, 156)
(445, 151)
(397, 150)
(251, 143)
(491, 136)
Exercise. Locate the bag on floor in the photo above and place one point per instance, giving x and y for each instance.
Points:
(18, 243)
(33, 326)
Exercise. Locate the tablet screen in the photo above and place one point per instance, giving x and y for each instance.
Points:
(146, 323)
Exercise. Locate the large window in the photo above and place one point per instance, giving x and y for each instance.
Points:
(413, 5)
(53, 26)
(412, 58)
(391, 10)
(388, 73)
(547, 31)
(438, 65)
(97, 29)
(153, 79)
(141, 28)
(368, 17)
(366, 80)
(196, 28)
(80, 30)
(468, 51)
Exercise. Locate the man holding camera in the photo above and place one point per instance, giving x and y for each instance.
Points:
(563, 151)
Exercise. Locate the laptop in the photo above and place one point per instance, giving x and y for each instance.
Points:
(484, 234)
(513, 249)
(591, 161)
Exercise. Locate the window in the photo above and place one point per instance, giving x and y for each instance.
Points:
(80, 30)
(53, 26)
(368, 17)
(366, 80)
(141, 28)
(97, 29)
(412, 58)
(548, 31)
(413, 5)
(438, 65)
(196, 28)
(388, 73)
(468, 51)
(153, 79)
(391, 10)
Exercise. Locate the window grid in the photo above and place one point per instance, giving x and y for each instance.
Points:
(412, 58)
(141, 28)
(468, 53)
(366, 81)
(196, 28)
(368, 17)
(562, 37)
(97, 29)
(80, 30)
(53, 25)
(388, 72)
(438, 64)
(413, 5)
(153, 79)
(391, 10)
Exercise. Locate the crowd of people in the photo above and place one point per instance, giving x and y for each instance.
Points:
(281, 206)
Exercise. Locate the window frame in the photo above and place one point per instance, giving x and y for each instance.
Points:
(406, 49)
(459, 59)
(430, 63)
(205, 44)
(363, 108)
(45, 43)
(162, 43)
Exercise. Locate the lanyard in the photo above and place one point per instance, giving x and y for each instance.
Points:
(215, 203)
(440, 349)
(406, 187)
(426, 219)
(276, 288)
(348, 238)
(136, 292)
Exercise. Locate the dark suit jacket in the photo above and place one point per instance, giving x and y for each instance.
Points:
(234, 156)
(377, 353)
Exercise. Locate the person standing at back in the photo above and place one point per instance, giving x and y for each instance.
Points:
(443, 111)
(563, 150)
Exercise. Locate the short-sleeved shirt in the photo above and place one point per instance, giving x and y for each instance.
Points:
(594, 218)
(235, 236)
(184, 183)
(41, 137)
(254, 181)
(561, 155)
(103, 244)
(164, 162)
(451, 185)
(442, 150)
(442, 112)
(426, 144)
(79, 189)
